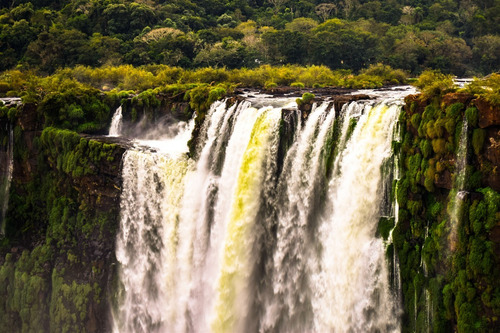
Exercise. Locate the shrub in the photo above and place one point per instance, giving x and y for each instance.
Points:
(306, 99)
(297, 85)
(434, 83)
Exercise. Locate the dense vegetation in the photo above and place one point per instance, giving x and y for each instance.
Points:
(449, 219)
(459, 37)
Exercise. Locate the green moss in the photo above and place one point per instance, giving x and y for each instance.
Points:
(454, 110)
(472, 116)
(439, 146)
(492, 201)
(426, 148)
(478, 137)
(415, 120)
(414, 207)
(385, 225)
(69, 304)
(402, 191)
(429, 112)
(350, 129)
(73, 154)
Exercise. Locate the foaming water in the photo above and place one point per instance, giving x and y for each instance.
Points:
(173, 141)
(352, 282)
(243, 240)
(116, 123)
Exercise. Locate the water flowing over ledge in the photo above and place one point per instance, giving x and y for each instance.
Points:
(244, 241)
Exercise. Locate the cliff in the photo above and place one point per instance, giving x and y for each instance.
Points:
(57, 261)
(447, 236)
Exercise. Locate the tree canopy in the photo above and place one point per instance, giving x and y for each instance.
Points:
(455, 36)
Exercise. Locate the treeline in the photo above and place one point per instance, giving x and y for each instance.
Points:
(454, 36)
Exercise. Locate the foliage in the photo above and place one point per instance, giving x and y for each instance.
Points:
(434, 83)
(82, 86)
(488, 88)
(445, 35)
(305, 99)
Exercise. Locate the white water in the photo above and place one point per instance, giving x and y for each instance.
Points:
(352, 284)
(230, 245)
(6, 178)
(458, 187)
(116, 123)
(289, 308)
(153, 185)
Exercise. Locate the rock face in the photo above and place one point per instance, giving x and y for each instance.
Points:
(60, 231)
(448, 234)
(488, 114)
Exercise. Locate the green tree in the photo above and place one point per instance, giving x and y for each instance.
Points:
(486, 53)
(285, 47)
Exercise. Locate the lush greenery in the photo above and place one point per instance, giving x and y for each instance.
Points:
(460, 37)
(123, 78)
(445, 238)
(60, 228)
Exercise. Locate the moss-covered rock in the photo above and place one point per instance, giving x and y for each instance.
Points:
(448, 240)
(56, 258)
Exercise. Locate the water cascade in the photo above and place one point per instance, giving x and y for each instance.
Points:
(458, 194)
(116, 123)
(7, 167)
(273, 229)
(150, 206)
(352, 259)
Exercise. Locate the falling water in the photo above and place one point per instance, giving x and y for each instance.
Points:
(234, 243)
(149, 221)
(7, 165)
(116, 123)
(458, 187)
(290, 305)
(352, 284)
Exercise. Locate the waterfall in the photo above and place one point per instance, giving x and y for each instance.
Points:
(149, 221)
(116, 123)
(243, 240)
(233, 291)
(7, 165)
(458, 195)
(352, 284)
(290, 306)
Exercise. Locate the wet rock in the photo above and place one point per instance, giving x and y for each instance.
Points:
(453, 98)
(339, 101)
(414, 104)
(444, 180)
(488, 114)
(492, 151)
(28, 118)
(495, 238)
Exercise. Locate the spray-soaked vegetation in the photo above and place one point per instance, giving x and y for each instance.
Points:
(446, 237)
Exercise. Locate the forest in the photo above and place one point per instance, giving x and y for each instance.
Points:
(459, 37)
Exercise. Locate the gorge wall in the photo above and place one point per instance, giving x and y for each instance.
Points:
(58, 265)
(447, 236)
